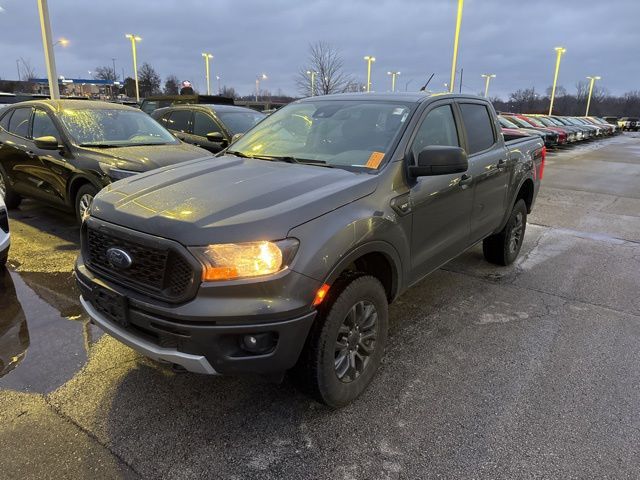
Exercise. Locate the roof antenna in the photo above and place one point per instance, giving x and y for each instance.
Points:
(424, 87)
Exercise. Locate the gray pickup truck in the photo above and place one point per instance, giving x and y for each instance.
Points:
(284, 253)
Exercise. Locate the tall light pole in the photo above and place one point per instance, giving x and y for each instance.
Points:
(369, 60)
(487, 77)
(207, 57)
(49, 57)
(394, 75)
(559, 52)
(456, 39)
(134, 39)
(593, 80)
(218, 79)
(262, 76)
(312, 74)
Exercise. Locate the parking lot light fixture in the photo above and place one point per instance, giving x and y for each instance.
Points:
(592, 81)
(487, 77)
(312, 74)
(207, 56)
(63, 42)
(369, 59)
(559, 52)
(135, 38)
(394, 75)
(456, 39)
(260, 77)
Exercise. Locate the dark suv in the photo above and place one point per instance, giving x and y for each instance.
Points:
(207, 126)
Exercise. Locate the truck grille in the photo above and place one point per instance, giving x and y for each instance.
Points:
(158, 270)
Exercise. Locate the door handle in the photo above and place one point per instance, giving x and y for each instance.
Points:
(465, 180)
(31, 154)
(502, 163)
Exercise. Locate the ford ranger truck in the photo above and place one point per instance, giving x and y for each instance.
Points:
(284, 254)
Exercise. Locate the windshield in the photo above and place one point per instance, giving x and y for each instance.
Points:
(520, 122)
(114, 128)
(240, 121)
(507, 123)
(535, 121)
(546, 122)
(347, 133)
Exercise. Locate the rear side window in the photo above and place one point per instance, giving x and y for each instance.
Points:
(43, 125)
(4, 122)
(477, 123)
(179, 121)
(204, 124)
(19, 123)
(438, 128)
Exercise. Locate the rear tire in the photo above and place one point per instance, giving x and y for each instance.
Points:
(503, 247)
(346, 343)
(11, 199)
(4, 256)
(84, 198)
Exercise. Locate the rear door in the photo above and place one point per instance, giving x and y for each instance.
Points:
(488, 164)
(16, 151)
(440, 204)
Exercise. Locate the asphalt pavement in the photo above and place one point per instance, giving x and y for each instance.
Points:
(530, 371)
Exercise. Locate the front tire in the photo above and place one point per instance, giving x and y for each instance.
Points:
(84, 198)
(503, 247)
(346, 343)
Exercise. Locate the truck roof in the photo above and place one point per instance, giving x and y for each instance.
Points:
(409, 97)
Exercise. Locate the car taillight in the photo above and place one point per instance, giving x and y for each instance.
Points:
(543, 157)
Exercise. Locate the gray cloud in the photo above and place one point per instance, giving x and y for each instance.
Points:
(513, 39)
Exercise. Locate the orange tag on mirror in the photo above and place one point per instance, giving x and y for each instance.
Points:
(375, 159)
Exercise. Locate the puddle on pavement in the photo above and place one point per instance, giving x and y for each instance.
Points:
(44, 336)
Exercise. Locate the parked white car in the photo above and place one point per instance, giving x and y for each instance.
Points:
(5, 237)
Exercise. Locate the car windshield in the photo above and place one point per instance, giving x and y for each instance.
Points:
(239, 121)
(535, 121)
(507, 123)
(351, 134)
(113, 128)
(546, 122)
(520, 122)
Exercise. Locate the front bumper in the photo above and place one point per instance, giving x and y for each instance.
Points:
(207, 345)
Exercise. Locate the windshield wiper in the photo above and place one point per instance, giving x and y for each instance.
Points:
(100, 145)
(303, 161)
(238, 154)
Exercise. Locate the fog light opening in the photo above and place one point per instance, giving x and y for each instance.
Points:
(259, 343)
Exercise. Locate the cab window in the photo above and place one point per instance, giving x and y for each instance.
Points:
(478, 125)
(204, 124)
(19, 122)
(438, 128)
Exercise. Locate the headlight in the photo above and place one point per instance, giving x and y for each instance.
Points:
(115, 173)
(228, 261)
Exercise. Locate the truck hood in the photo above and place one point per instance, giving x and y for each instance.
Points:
(144, 158)
(228, 199)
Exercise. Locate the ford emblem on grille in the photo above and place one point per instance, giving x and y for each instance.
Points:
(119, 258)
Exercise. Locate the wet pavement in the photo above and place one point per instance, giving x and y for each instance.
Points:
(527, 371)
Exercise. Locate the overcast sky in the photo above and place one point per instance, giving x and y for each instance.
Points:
(512, 38)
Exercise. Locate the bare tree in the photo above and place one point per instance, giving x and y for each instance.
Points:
(105, 73)
(171, 85)
(326, 63)
(148, 80)
(229, 92)
(27, 71)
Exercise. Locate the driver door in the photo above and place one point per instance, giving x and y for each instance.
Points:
(441, 204)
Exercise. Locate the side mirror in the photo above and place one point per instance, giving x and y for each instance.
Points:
(439, 160)
(215, 137)
(236, 137)
(47, 142)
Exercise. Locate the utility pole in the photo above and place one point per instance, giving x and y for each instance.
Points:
(559, 51)
(115, 74)
(49, 57)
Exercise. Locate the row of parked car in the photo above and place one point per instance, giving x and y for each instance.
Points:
(554, 129)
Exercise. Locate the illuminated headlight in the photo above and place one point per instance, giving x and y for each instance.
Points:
(115, 173)
(229, 261)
